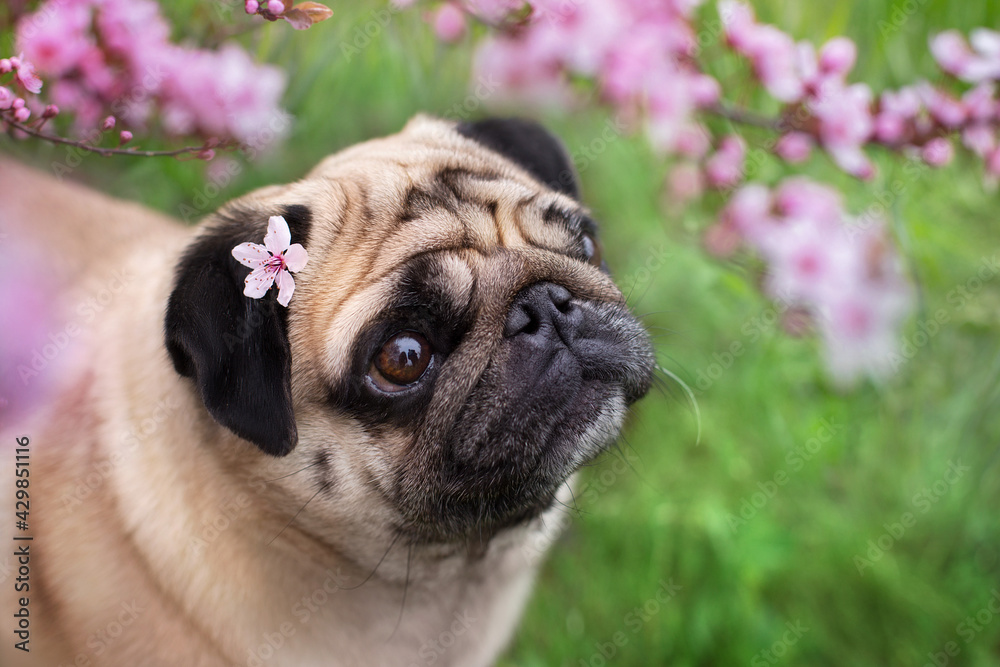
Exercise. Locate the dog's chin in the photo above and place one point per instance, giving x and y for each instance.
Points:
(504, 467)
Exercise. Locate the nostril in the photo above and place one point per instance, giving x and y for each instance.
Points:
(541, 306)
(561, 298)
(520, 320)
(531, 327)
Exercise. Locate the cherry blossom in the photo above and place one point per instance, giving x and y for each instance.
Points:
(981, 62)
(273, 262)
(25, 74)
(794, 147)
(449, 23)
(821, 262)
(116, 56)
(725, 168)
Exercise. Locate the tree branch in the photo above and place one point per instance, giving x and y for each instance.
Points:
(107, 152)
(745, 117)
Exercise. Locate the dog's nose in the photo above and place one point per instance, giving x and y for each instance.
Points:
(543, 310)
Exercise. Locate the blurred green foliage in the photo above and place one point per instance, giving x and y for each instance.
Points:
(822, 478)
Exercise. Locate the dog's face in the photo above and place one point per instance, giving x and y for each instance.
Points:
(454, 350)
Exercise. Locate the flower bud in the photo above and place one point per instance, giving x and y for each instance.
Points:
(449, 23)
(794, 147)
(725, 168)
(838, 56)
(937, 152)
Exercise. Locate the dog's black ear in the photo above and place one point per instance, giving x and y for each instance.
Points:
(234, 347)
(531, 146)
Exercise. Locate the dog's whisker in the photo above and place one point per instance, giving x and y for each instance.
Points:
(372, 573)
(661, 385)
(570, 511)
(628, 295)
(406, 587)
(691, 397)
(572, 494)
(295, 516)
(653, 312)
(314, 463)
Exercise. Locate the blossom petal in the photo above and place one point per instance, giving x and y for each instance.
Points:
(296, 257)
(278, 235)
(251, 254)
(286, 286)
(258, 282)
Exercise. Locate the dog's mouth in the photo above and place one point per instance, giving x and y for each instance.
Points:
(552, 398)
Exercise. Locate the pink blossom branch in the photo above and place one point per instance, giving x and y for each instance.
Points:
(113, 59)
(743, 116)
(107, 152)
(644, 61)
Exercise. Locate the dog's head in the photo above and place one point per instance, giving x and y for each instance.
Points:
(454, 350)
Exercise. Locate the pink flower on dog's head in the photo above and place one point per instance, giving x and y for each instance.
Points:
(273, 262)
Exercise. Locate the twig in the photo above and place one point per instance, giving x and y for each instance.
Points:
(745, 117)
(107, 152)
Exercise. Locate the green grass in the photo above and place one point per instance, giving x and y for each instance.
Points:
(667, 516)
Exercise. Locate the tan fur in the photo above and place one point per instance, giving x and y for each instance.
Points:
(140, 499)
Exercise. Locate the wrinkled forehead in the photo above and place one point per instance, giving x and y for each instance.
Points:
(431, 220)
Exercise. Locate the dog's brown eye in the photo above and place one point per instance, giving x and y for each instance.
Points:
(592, 248)
(401, 361)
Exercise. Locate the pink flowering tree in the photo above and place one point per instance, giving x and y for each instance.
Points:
(833, 273)
(111, 67)
(106, 74)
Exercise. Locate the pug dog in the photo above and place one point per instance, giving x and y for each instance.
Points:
(364, 476)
